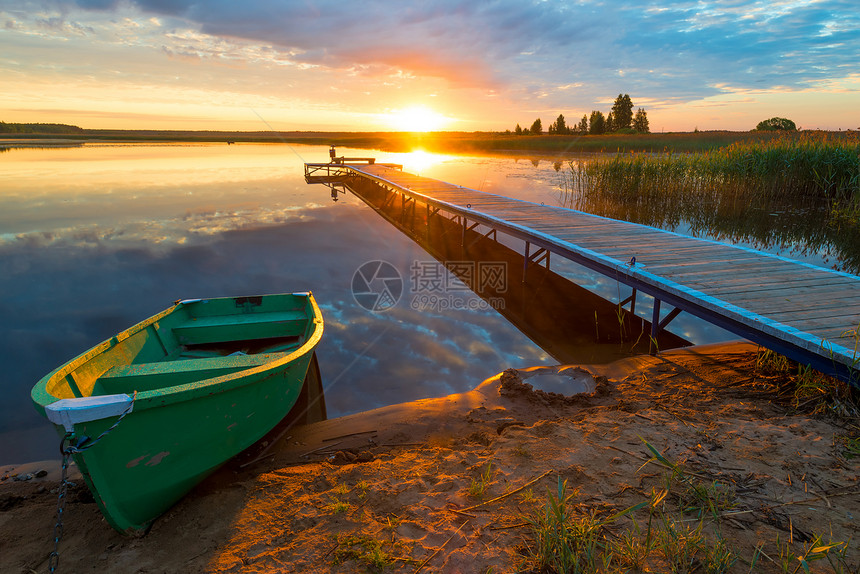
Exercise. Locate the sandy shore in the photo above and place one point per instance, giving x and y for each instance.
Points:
(412, 486)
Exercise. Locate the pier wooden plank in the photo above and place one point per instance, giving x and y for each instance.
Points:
(821, 328)
(760, 285)
(766, 302)
(717, 270)
(783, 278)
(740, 265)
(850, 344)
(651, 254)
(644, 243)
(697, 253)
(791, 303)
(679, 259)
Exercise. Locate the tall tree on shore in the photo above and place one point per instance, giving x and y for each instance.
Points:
(537, 128)
(519, 130)
(622, 112)
(596, 122)
(560, 126)
(610, 123)
(583, 125)
(640, 122)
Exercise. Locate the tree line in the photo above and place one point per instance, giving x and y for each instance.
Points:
(620, 119)
(12, 128)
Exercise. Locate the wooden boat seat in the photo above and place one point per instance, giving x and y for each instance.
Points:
(150, 376)
(241, 327)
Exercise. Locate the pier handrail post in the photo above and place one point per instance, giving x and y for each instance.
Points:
(655, 328)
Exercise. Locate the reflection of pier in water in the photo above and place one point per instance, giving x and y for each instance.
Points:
(808, 313)
(569, 322)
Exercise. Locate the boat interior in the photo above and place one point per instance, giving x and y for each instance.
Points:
(179, 348)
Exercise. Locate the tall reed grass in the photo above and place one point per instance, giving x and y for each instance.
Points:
(797, 190)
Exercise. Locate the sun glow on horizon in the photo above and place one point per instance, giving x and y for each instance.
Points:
(418, 160)
(417, 119)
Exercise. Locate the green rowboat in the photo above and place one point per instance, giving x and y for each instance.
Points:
(194, 385)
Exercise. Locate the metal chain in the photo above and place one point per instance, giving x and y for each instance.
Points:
(87, 443)
(67, 451)
(54, 558)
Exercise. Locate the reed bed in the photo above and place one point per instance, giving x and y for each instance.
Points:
(801, 191)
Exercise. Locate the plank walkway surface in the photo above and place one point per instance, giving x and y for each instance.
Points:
(806, 312)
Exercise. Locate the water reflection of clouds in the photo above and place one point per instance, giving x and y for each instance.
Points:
(417, 355)
(194, 224)
(63, 294)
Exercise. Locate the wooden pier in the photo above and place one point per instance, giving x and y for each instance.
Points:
(808, 313)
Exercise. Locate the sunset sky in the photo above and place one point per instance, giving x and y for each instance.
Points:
(447, 64)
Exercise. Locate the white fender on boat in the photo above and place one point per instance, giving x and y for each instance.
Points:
(68, 412)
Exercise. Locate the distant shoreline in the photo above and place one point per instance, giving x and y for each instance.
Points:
(441, 142)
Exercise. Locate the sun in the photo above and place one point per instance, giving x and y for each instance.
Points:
(417, 119)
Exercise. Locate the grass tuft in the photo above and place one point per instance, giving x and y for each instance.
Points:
(680, 545)
(809, 390)
(564, 542)
(374, 554)
(479, 485)
(717, 557)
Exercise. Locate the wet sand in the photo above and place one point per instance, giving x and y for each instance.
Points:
(447, 484)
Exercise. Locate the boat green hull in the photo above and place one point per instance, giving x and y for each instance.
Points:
(194, 409)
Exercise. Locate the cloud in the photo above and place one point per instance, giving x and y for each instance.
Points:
(527, 54)
(465, 43)
(744, 44)
(680, 47)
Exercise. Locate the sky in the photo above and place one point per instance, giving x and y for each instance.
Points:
(447, 64)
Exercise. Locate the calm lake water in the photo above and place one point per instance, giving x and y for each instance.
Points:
(98, 237)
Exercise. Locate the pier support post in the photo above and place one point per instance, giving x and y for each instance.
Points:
(655, 327)
(538, 257)
(466, 229)
(632, 301)
(427, 230)
(526, 260)
(390, 196)
(491, 232)
(431, 213)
